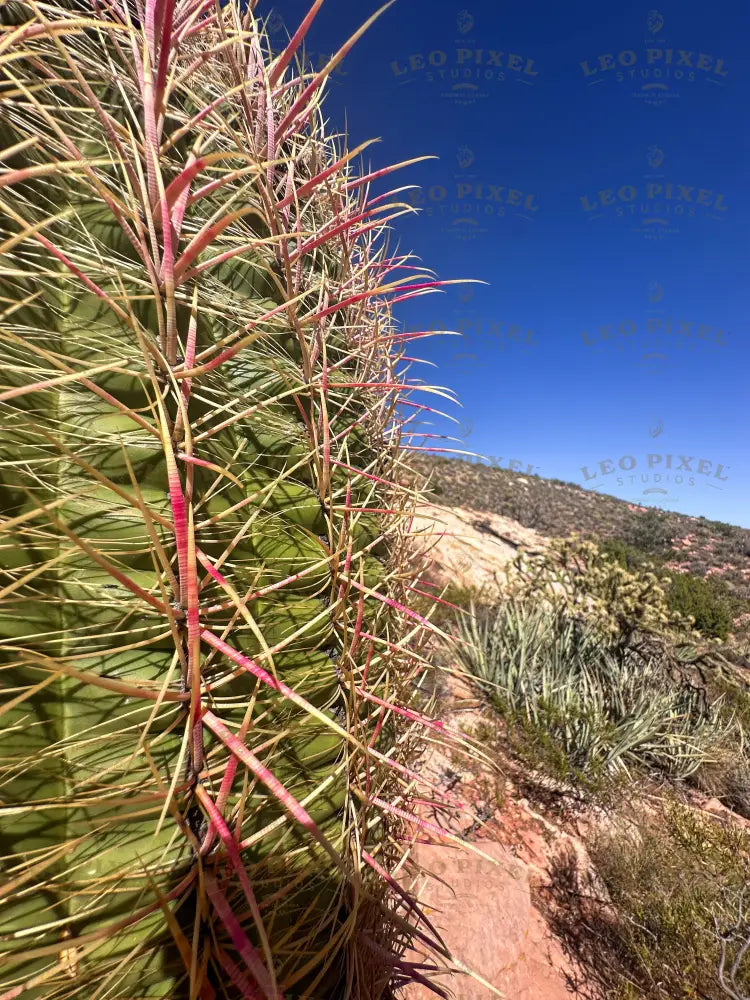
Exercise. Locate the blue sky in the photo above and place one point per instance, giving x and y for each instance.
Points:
(593, 165)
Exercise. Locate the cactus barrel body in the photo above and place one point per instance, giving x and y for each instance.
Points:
(201, 602)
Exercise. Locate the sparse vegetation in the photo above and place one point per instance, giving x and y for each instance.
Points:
(614, 663)
(597, 669)
(720, 527)
(556, 509)
(651, 531)
(576, 575)
(649, 926)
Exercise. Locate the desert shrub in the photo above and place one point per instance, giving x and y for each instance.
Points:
(727, 778)
(579, 576)
(708, 601)
(650, 531)
(720, 527)
(676, 887)
(733, 686)
(563, 482)
(630, 557)
(736, 791)
(598, 706)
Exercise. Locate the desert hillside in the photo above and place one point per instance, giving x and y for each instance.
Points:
(711, 550)
(553, 507)
(598, 820)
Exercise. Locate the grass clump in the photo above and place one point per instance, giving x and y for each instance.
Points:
(581, 702)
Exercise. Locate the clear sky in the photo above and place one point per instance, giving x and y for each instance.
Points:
(593, 170)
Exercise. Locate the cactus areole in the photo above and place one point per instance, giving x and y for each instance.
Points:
(207, 648)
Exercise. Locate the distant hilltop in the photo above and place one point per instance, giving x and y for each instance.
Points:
(554, 508)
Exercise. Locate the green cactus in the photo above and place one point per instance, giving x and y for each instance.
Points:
(203, 583)
(578, 575)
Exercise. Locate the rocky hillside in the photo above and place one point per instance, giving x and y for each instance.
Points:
(710, 550)
(555, 508)
(596, 826)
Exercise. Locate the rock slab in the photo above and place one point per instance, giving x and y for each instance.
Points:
(484, 912)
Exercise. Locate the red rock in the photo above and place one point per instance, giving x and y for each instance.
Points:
(484, 911)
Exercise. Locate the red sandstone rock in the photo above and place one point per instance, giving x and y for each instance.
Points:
(485, 914)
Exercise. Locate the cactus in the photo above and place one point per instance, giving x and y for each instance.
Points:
(577, 574)
(207, 650)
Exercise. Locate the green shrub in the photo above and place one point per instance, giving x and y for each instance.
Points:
(676, 883)
(628, 556)
(708, 601)
(651, 531)
(720, 527)
(581, 577)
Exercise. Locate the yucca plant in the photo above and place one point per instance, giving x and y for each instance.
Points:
(207, 652)
(605, 706)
